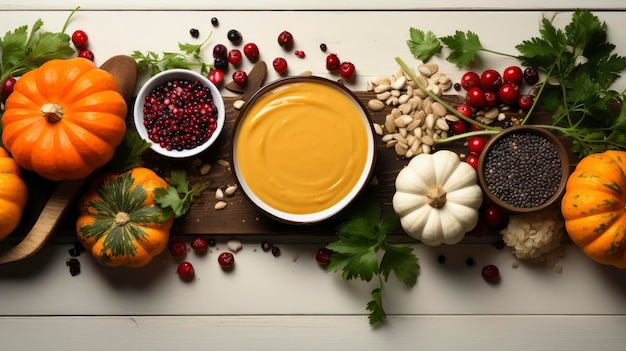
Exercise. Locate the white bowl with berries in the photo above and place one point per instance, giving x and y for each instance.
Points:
(180, 112)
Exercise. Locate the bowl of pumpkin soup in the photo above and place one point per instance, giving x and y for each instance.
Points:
(303, 148)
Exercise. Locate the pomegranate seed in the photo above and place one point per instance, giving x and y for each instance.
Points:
(346, 70)
(490, 273)
(280, 65)
(285, 39)
(195, 33)
(185, 271)
(251, 51)
(240, 77)
(199, 244)
(332, 62)
(299, 53)
(323, 256)
(226, 260)
(178, 248)
(86, 53)
(80, 39)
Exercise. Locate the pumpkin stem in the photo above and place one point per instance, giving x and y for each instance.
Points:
(436, 197)
(52, 112)
(121, 218)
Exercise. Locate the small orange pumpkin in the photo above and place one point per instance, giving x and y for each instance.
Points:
(64, 119)
(594, 207)
(119, 220)
(13, 194)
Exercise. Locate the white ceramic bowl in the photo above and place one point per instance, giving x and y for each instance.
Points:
(281, 191)
(162, 78)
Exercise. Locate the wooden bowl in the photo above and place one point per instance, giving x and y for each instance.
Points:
(526, 189)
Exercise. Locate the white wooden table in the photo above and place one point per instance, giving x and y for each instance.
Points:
(289, 302)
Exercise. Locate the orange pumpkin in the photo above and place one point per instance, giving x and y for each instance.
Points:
(594, 207)
(13, 194)
(119, 220)
(64, 119)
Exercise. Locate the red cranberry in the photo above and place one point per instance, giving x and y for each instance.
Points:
(285, 39)
(251, 51)
(86, 53)
(178, 248)
(332, 62)
(226, 260)
(458, 127)
(465, 110)
(470, 80)
(513, 74)
(185, 271)
(199, 244)
(80, 39)
(216, 76)
(508, 93)
(491, 98)
(475, 97)
(525, 102)
(346, 70)
(240, 77)
(280, 65)
(234, 57)
(299, 53)
(472, 160)
(491, 79)
(492, 215)
(476, 144)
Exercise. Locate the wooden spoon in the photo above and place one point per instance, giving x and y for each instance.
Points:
(124, 69)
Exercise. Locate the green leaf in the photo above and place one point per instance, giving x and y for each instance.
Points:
(403, 262)
(128, 154)
(463, 46)
(423, 45)
(179, 195)
(375, 306)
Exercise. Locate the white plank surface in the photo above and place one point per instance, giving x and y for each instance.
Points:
(288, 302)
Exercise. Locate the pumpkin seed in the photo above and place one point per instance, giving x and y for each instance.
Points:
(219, 194)
(220, 205)
(375, 105)
(238, 104)
(382, 88)
(205, 169)
(230, 190)
(399, 83)
(378, 129)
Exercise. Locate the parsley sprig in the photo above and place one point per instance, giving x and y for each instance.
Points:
(356, 254)
(24, 50)
(579, 67)
(179, 195)
(190, 56)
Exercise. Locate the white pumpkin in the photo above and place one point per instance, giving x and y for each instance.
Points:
(437, 198)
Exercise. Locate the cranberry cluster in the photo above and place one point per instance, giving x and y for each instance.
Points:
(180, 114)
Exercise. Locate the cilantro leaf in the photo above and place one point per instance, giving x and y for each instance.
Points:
(179, 195)
(377, 312)
(190, 55)
(423, 45)
(464, 47)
